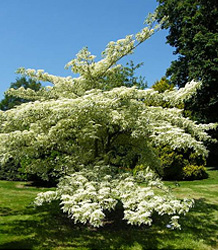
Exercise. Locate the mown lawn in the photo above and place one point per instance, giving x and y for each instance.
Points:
(22, 226)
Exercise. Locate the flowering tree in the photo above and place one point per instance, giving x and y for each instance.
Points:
(87, 131)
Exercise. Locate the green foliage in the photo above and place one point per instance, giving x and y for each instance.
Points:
(10, 101)
(162, 85)
(26, 168)
(53, 167)
(138, 168)
(192, 28)
(194, 172)
(173, 163)
(141, 167)
(11, 171)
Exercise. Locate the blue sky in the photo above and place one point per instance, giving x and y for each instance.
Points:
(46, 34)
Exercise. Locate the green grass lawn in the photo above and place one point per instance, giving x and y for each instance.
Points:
(22, 226)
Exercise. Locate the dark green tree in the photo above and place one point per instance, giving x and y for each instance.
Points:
(10, 101)
(193, 31)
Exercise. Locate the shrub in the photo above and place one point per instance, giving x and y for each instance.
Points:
(194, 172)
(173, 163)
(138, 168)
(14, 170)
(142, 167)
(11, 171)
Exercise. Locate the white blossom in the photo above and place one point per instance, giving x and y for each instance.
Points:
(92, 130)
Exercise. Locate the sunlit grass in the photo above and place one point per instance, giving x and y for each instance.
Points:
(22, 226)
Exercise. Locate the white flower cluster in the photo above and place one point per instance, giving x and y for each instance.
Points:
(72, 125)
(183, 93)
(87, 194)
(144, 34)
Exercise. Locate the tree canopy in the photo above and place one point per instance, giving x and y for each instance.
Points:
(91, 135)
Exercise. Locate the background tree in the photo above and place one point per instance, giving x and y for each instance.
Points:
(162, 85)
(193, 31)
(9, 101)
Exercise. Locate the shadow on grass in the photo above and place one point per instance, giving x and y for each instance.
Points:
(48, 228)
